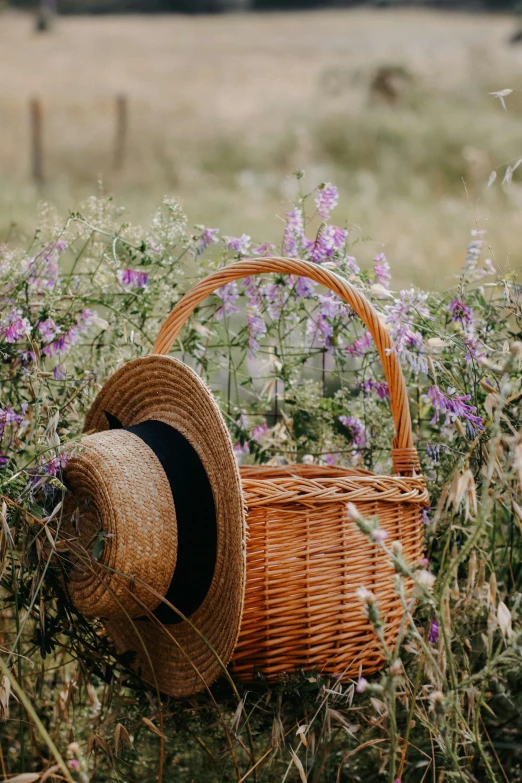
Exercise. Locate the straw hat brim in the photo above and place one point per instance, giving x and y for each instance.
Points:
(183, 658)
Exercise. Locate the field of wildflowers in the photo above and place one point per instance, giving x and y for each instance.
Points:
(298, 379)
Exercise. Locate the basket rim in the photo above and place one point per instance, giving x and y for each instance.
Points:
(262, 488)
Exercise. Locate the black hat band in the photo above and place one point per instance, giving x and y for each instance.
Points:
(195, 516)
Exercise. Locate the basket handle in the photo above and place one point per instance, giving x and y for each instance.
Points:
(405, 458)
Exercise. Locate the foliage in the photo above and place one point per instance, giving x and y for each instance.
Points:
(210, 6)
(298, 379)
(140, 6)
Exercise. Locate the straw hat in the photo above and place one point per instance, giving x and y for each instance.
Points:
(155, 498)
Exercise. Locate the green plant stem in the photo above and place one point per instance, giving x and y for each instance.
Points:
(410, 715)
(18, 690)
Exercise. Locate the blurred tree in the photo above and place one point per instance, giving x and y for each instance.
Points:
(214, 6)
(45, 14)
(45, 9)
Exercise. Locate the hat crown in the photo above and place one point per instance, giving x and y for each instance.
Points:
(121, 522)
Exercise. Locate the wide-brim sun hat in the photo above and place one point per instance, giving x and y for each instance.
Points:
(155, 511)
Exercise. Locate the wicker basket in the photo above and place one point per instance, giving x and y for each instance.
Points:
(305, 557)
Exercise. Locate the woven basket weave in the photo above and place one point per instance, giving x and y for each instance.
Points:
(305, 557)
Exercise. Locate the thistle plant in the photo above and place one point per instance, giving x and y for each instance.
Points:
(298, 380)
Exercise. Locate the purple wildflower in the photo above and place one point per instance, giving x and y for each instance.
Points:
(381, 387)
(400, 317)
(8, 416)
(44, 271)
(26, 357)
(433, 636)
(326, 199)
(473, 252)
(361, 345)
(228, 295)
(242, 421)
(60, 372)
(305, 288)
(58, 346)
(331, 459)
(473, 345)
(239, 245)
(264, 249)
(256, 328)
(208, 236)
(452, 406)
(16, 330)
(15, 327)
(321, 328)
(240, 449)
(425, 516)
(252, 292)
(382, 270)
(133, 278)
(256, 322)
(276, 296)
(357, 430)
(331, 306)
(83, 321)
(362, 684)
(259, 432)
(433, 451)
(294, 233)
(56, 464)
(349, 263)
(329, 240)
(460, 312)
(73, 335)
(48, 329)
(410, 303)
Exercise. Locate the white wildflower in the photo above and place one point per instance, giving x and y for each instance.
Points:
(379, 535)
(364, 595)
(504, 620)
(425, 578)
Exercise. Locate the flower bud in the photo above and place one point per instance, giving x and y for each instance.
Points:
(364, 595)
(504, 620)
(361, 685)
(379, 534)
(425, 578)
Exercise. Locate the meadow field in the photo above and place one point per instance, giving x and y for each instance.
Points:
(391, 105)
(415, 116)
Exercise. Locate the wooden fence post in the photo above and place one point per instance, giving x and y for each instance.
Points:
(36, 120)
(120, 139)
(47, 10)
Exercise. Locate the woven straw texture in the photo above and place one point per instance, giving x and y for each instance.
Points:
(110, 479)
(305, 557)
(175, 658)
(305, 561)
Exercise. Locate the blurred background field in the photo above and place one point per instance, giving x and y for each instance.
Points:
(392, 105)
